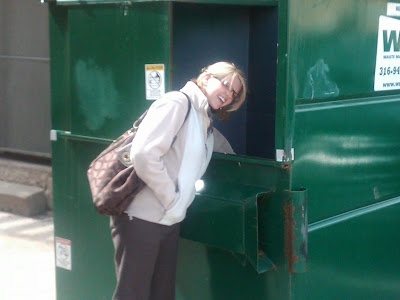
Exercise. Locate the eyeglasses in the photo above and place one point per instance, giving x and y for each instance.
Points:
(228, 87)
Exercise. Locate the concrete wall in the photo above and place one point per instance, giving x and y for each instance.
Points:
(24, 77)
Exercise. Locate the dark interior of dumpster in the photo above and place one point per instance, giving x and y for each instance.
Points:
(246, 36)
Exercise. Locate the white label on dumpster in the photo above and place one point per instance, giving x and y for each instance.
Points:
(387, 68)
(155, 81)
(393, 9)
(63, 253)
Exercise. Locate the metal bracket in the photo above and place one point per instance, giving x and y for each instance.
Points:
(282, 157)
(53, 135)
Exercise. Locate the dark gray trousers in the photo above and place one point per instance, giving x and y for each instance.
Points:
(145, 259)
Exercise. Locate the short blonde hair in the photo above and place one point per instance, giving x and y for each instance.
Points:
(221, 70)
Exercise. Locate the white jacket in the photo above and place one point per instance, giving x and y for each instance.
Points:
(170, 157)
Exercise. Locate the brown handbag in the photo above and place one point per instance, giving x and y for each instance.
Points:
(112, 177)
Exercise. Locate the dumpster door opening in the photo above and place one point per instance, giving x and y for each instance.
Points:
(246, 36)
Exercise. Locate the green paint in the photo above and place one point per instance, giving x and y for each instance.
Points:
(98, 97)
(235, 238)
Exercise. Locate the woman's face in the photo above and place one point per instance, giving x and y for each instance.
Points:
(221, 93)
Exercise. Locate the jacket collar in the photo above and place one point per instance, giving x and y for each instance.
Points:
(199, 100)
(200, 104)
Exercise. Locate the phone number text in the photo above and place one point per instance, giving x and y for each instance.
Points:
(383, 71)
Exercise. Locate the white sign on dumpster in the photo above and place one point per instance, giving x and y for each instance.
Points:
(155, 81)
(63, 253)
(393, 9)
(387, 68)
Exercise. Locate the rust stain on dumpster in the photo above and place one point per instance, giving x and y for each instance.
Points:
(290, 224)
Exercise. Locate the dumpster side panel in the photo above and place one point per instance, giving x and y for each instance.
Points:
(99, 75)
(92, 274)
(353, 256)
(60, 107)
(347, 156)
(347, 151)
(333, 46)
(98, 90)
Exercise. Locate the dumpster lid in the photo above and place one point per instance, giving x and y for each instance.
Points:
(233, 2)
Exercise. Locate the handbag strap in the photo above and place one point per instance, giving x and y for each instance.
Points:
(136, 124)
(189, 106)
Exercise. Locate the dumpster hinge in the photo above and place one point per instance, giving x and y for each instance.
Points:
(281, 156)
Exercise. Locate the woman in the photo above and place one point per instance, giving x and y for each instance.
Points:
(171, 151)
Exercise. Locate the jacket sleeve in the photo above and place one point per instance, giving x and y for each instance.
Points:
(221, 144)
(152, 141)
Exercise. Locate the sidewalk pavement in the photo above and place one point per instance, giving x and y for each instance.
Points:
(27, 268)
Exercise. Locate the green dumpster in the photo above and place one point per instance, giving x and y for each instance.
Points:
(309, 206)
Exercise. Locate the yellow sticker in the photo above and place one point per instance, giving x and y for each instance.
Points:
(154, 67)
(155, 81)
